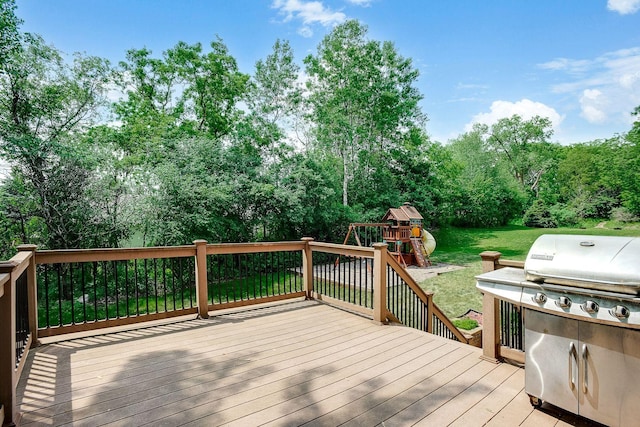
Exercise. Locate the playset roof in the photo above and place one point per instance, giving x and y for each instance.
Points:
(404, 213)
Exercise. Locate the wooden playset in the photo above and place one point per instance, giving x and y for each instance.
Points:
(402, 230)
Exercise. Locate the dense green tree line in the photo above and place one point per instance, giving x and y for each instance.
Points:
(194, 148)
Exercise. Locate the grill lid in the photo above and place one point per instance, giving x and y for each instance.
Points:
(604, 263)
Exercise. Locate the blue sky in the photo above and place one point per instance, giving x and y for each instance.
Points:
(574, 61)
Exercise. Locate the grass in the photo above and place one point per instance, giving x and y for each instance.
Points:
(465, 324)
(455, 292)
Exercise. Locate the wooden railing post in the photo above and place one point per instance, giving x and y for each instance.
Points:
(32, 293)
(489, 260)
(8, 344)
(430, 314)
(307, 267)
(380, 283)
(202, 295)
(490, 313)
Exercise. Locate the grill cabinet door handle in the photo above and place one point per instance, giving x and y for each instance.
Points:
(584, 368)
(573, 355)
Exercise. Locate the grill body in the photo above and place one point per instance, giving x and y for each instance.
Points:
(581, 309)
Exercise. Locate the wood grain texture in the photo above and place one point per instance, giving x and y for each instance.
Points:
(293, 363)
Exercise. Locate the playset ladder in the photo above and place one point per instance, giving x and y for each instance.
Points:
(418, 253)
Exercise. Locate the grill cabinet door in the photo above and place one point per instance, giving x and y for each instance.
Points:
(610, 375)
(551, 359)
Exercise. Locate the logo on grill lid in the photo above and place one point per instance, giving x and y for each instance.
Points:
(542, 257)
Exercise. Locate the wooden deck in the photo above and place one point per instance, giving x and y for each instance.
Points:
(297, 363)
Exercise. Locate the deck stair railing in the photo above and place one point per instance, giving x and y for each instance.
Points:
(52, 292)
(502, 329)
(410, 305)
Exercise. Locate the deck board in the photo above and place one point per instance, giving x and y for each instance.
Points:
(294, 363)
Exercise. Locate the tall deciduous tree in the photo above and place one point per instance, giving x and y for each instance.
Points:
(523, 144)
(362, 98)
(213, 85)
(45, 103)
(488, 195)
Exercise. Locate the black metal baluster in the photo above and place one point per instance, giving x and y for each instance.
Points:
(115, 275)
(84, 293)
(73, 301)
(105, 281)
(155, 282)
(227, 260)
(135, 280)
(192, 280)
(95, 290)
(174, 292)
(126, 288)
(60, 293)
(146, 286)
(218, 282)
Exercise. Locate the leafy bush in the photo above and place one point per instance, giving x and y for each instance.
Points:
(623, 215)
(564, 215)
(539, 216)
(594, 205)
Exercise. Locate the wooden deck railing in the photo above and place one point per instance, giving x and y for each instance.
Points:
(53, 292)
(17, 324)
(409, 304)
(502, 325)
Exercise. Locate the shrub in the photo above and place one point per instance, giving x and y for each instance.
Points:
(623, 215)
(539, 216)
(564, 215)
(594, 205)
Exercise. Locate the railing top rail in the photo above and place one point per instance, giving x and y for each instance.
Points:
(112, 254)
(17, 264)
(369, 224)
(447, 322)
(237, 248)
(347, 250)
(510, 263)
(421, 293)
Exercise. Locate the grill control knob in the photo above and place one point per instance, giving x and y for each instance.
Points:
(590, 307)
(620, 311)
(540, 298)
(563, 302)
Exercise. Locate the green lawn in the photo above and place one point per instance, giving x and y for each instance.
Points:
(455, 292)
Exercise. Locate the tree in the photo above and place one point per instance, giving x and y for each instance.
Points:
(362, 99)
(273, 98)
(488, 195)
(151, 110)
(213, 85)
(275, 93)
(524, 147)
(630, 176)
(45, 103)
(9, 34)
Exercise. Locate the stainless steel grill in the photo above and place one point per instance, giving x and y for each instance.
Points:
(581, 302)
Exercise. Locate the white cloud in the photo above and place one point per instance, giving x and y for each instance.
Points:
(525, 108)
(305, 31)
(624, 7)
(309, 12)
(614, 77)
(593, 105)
(463, 86)
(363, 3)
(572, 66)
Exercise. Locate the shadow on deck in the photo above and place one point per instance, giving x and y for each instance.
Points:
(294, 363)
